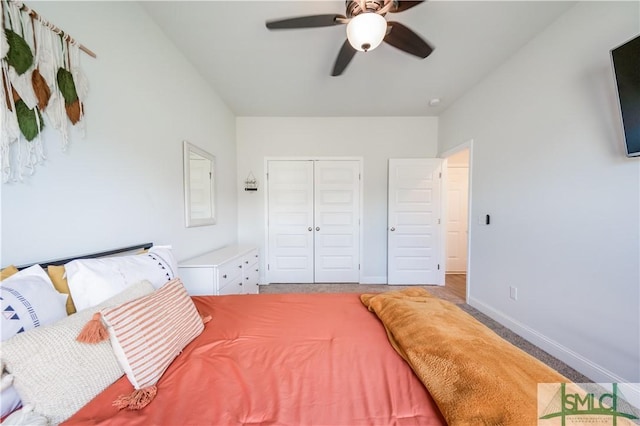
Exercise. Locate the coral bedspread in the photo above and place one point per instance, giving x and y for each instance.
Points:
(290, 359)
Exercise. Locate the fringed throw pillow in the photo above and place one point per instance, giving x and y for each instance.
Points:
(147, 334)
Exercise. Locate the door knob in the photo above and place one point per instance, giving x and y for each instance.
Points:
(317, 228)
(392, 229)
(310, 229)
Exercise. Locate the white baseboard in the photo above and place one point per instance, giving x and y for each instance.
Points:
(364, 280)
(578, 362)
(373, 280)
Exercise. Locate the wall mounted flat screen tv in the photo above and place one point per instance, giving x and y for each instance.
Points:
(626, 68)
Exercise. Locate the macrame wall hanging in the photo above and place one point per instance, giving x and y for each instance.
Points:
(42, 86)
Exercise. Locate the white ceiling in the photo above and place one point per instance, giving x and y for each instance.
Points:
(286, 73)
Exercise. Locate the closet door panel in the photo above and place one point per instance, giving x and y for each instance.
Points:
(290, 223)
(337, 221)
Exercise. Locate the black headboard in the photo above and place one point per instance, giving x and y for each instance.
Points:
(58, 262)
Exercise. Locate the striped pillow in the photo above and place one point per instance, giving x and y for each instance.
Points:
(148, 333)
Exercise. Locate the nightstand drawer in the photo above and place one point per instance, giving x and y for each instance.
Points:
(228, 272)
(251, 279)
(233, 287)
(250, 258)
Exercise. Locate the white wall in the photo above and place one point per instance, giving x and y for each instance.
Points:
(374, 139)
(122, 183)
(549, 166)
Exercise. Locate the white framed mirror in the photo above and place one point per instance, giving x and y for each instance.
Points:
(199, 186)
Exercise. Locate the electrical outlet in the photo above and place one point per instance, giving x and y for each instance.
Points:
(513, 292)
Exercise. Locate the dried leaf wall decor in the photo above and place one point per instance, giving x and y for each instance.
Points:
(41, 81)
(67, 86)
(19, 55)
(29, 120)
(41, 89)
(74, 111)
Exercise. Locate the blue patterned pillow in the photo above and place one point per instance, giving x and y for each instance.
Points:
(29, 300)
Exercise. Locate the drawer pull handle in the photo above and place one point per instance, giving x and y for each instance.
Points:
(247, 278)
(256, 270)
(240, 283)
(239, 266)
(246, 261)
(224, 276)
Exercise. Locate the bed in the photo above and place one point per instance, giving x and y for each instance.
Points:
(280, 359)
(396, 358)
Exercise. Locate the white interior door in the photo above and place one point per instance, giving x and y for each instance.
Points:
(337, 217)
(457, 214)
(290, 223)
(414, 221)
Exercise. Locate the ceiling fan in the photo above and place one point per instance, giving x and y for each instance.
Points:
(367, 27)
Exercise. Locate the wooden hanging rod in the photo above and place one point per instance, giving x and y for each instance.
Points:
(23, 7)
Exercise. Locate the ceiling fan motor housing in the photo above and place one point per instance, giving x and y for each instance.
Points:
(355, 7)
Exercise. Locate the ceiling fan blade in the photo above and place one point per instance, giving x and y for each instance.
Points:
(347, 53)
(312, 21)
(404, 5)
(406, 40)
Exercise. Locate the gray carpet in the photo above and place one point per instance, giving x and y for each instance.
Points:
(445, 294)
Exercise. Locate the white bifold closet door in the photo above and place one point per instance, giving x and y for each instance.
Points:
(314, 221)
(290, 233)
(413, 246)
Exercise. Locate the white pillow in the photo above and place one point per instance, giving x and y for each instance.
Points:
(27, 300)
(92, 281)
(54, 374)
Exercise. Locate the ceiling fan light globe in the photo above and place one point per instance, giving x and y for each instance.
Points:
(366, 31)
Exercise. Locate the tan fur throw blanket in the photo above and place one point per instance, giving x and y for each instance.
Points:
(475, 376)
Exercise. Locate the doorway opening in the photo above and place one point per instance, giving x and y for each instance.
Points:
(457, 196)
